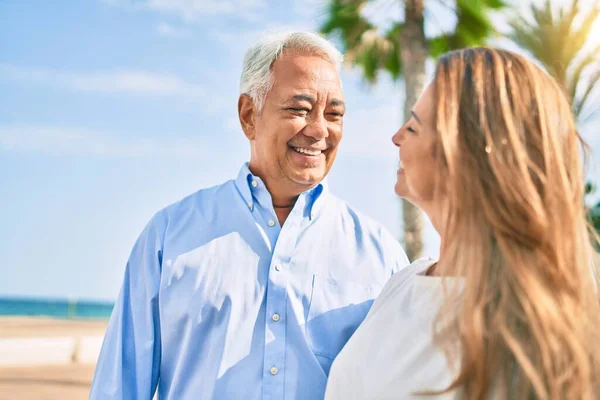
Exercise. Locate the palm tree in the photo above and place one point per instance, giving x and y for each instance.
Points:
(553, 38)
(402, 50)
(562, 47)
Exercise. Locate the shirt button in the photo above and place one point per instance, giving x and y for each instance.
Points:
(278, 268)
(254, 184)
(271, 223)
(274, 371)
(275, 317)
(250, 204)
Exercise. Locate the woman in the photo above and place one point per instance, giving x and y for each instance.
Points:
(511, 309)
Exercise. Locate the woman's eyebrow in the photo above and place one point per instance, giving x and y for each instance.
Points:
(416, 117)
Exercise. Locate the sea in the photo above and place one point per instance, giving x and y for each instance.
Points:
(58, 308)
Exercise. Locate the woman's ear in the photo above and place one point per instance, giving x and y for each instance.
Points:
(247, 114)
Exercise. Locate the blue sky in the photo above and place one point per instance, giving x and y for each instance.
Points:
(113, 109)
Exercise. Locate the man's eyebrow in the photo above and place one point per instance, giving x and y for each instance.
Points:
(416, 117)
(301, 97)
(337, 103)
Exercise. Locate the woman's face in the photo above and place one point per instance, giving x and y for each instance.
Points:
(416, 140)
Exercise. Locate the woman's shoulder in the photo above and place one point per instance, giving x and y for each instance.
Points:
(401, 280)
(416, 268)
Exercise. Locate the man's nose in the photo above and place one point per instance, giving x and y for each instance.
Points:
(317, 128)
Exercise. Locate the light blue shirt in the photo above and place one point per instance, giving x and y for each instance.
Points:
(221, 302)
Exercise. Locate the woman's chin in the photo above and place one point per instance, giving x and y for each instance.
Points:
(401, 191)
(401, 188)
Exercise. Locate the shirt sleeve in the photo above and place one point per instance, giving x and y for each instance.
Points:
(128, 366)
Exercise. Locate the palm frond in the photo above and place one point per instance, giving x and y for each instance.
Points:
(557, 39)
(344, 18)
(543, 37)
(526, 35)
(496, 4)
(589, 116)
(473, 26)
(374, 51)
(579, 67)
(577, 38)
(377, 52)
(589, 88)
(363, 44)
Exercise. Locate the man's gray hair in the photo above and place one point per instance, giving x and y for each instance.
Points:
(256, 80)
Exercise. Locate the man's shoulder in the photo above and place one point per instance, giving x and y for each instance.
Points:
(368, 227)
(200, 202)
(348, 211)
(204, 197)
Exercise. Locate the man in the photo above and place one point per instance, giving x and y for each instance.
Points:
(251, 288)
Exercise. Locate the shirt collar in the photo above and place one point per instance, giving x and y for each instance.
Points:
(318, 195)
(242, 182)
(248, 185)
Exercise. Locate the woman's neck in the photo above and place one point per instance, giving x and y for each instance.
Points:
(437, 214)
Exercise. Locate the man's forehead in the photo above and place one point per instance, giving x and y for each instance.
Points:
(302, 67)
(309, 75)
(304, 87)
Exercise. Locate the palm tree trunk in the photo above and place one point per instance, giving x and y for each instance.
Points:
(413, 55)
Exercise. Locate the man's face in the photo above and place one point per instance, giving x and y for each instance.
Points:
(296, 135)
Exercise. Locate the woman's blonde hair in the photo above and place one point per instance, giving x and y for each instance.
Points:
(529, 313)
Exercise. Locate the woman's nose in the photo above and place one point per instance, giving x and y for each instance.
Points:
(397, 138)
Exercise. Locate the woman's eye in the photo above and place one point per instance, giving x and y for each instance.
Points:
(411, 130)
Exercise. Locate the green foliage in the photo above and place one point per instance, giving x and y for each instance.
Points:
(555, 39)
(558, 42)
(345, 18)
(594, 214)
(375, 50)
(473, 26)
(361, 40)
(593, 211)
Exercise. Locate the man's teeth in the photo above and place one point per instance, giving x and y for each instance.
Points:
(400, 164)
(308, 152)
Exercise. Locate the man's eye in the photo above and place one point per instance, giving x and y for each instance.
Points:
(302, 111)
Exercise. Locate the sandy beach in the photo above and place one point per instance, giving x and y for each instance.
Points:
(46, 358)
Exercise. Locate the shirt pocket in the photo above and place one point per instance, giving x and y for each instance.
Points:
(337, 307)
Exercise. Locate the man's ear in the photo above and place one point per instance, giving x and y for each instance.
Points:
(247, 115)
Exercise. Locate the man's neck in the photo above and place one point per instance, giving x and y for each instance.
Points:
(283, 194)
(283, 204)
(283, 201)
(282, 214)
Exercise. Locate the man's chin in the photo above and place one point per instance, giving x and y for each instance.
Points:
(307, 183)
(307, 179)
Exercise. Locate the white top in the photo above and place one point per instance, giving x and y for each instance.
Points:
(392, 355)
